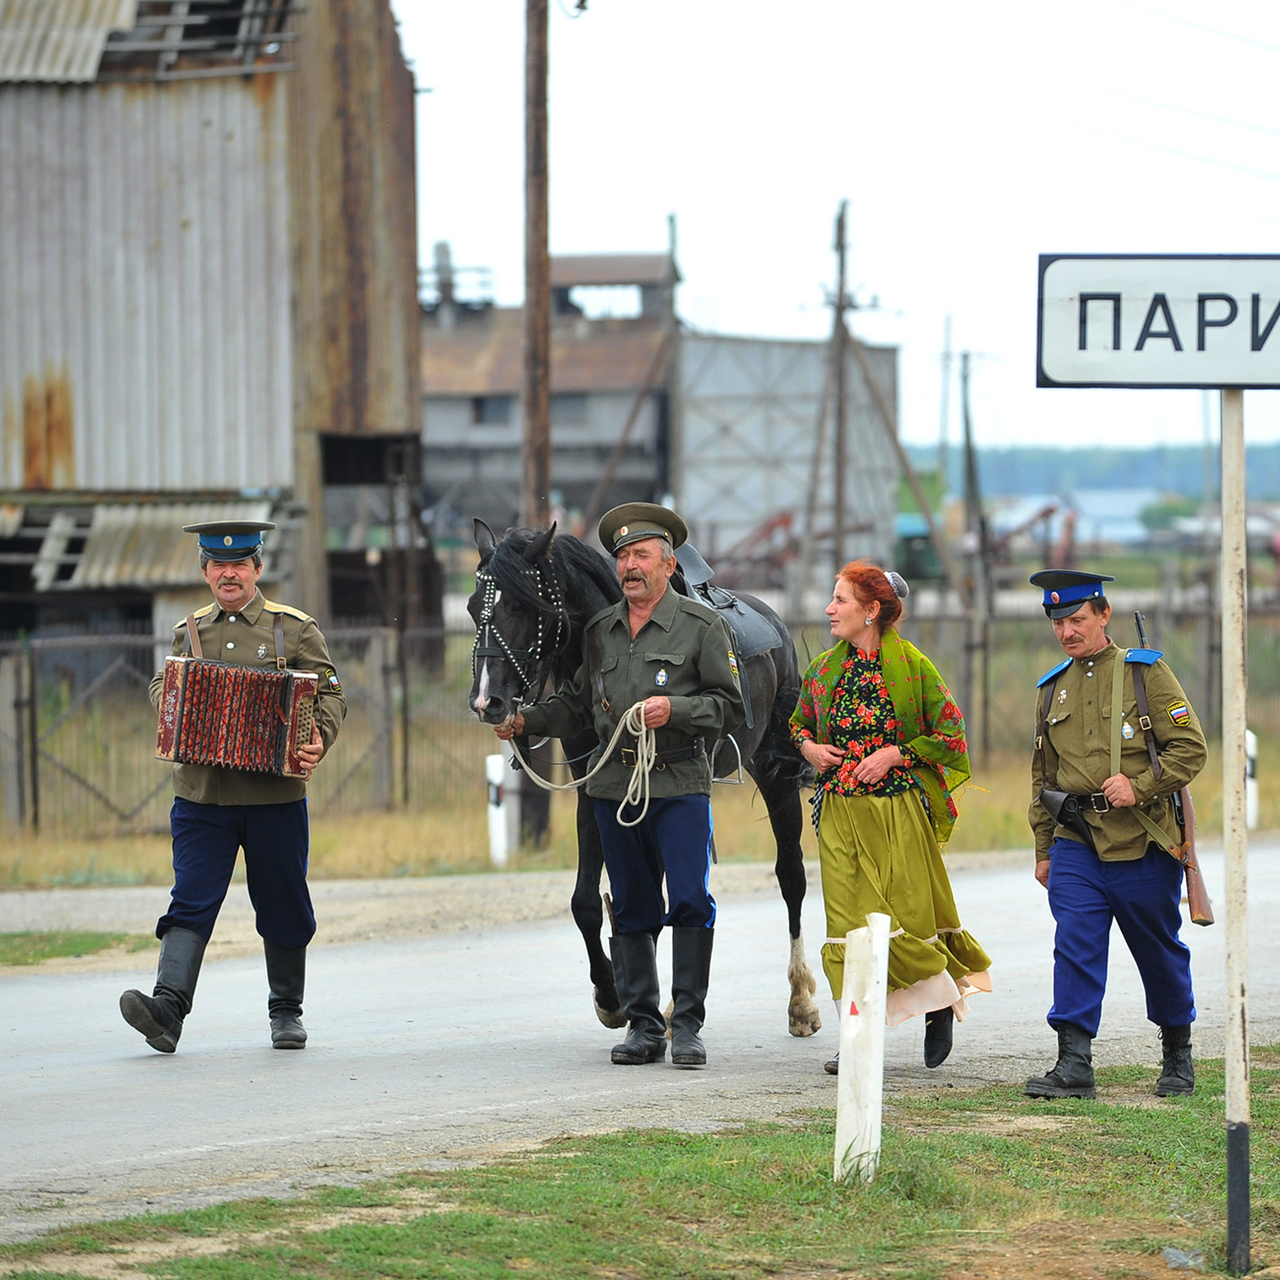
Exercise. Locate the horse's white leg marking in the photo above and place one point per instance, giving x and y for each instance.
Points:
(803, 1018)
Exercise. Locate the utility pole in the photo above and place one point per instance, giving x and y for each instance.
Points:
(975, 522)
(945, 423)
(535, 449)
(839, 340)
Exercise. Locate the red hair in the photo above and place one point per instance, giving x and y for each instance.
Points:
(870, 582)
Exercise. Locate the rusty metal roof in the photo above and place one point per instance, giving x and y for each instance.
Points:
(613, 268)
(482, 356)
(58, 41)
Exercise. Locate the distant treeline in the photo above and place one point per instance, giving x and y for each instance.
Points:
(1031, 469)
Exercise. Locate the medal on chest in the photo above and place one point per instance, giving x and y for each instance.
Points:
(262, 652)
(1126, 730)
(1062, 695)
(661, 678)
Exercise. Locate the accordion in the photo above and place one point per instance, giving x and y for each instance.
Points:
(252, 718)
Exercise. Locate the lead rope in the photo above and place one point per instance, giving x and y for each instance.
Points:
(646, 758)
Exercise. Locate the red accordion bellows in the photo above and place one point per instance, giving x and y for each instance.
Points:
(252, 718)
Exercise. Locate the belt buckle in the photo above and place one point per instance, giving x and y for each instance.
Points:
(1094, 805)
(628, 757)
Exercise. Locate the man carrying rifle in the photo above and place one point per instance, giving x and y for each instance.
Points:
(1116, 740)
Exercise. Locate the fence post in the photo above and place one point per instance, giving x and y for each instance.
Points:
(33, 732)
(860, 1091)
(11, 741)
(496, 775)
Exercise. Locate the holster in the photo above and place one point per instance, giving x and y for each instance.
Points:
(1065, 810)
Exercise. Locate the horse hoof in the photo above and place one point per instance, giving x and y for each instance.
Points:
(803, 1020)
(614, 1019)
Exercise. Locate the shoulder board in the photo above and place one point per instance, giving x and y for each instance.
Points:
(1050, 675)
(271, 607)
(1146, 656)
(199, 613)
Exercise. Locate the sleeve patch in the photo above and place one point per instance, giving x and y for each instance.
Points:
(1179, 712)
(331, 679)
(733, 664)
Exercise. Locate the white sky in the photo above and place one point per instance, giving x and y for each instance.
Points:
(967, 138)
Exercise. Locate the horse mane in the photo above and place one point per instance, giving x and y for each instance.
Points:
(586, 579)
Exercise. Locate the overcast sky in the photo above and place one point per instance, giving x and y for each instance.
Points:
(968, 139)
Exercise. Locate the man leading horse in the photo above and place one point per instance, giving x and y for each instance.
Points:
(674, 655)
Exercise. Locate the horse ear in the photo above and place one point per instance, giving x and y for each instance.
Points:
(485, 541)
(538, 547)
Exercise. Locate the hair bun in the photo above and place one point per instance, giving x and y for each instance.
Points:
(898, 583)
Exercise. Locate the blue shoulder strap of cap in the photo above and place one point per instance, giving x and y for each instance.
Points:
(1057, 671)
(1148, 657)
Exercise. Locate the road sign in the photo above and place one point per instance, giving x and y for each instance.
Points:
(1164, 320)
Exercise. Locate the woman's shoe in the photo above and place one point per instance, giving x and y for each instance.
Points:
(938, 1024)
(832, 1066)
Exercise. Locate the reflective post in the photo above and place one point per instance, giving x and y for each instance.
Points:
(860, 1091)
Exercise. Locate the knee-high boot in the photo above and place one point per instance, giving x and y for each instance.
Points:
(160, 1015)
(690, 977)
(286, 979)
(635, 971)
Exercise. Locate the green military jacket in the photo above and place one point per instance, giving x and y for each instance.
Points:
(247, 640)
(1077, 752)
(683, 652)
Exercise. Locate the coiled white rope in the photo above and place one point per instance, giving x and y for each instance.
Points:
(646, 757)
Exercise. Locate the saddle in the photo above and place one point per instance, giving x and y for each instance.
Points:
(753, 633)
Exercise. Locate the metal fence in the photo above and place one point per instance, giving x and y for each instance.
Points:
(77, 730)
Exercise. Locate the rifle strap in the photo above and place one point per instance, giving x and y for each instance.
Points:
(1144, 717)
(1117, 717)
(193, 637)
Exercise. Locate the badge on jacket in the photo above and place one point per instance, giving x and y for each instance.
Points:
(661, 678)
(332, 677)
(1179, 712)
(733, 664)
(262, 652)
(1126, 730)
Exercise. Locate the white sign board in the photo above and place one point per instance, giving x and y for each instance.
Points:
(1167, 320)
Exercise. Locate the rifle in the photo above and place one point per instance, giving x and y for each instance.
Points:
(1198, 903)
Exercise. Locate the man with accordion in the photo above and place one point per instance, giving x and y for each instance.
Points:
(249, 703)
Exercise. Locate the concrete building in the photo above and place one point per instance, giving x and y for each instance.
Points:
(208, 293)
(736, 431)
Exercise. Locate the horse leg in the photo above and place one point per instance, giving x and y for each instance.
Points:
(588, 915)
(786, 816)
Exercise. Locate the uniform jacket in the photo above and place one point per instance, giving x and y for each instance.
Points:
(246, 639)
(1077, 752)
(684, 652)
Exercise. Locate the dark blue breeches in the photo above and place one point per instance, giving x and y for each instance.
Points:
(674, 840)
(275, 840)
(1142, 896)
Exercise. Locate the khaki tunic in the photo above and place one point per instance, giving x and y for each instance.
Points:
(247, 639)
(1077, 753)
(683, 652)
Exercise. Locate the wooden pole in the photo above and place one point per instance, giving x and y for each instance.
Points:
(839, 342)
(1235, 831)
(535, 451)
(860, 1090)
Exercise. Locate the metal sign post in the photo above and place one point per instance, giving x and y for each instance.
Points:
(1122, 320)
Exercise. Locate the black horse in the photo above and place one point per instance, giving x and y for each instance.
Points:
(534, 594)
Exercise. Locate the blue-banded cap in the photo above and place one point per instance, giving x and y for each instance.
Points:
(1065, 590)
(635, 521)
(230, 539)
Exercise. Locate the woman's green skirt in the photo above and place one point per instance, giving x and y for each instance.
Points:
(878, 853)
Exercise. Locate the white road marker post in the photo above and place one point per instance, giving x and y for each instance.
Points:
(496, 774)
(860, 1091)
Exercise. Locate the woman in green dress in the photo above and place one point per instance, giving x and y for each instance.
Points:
(886, 741)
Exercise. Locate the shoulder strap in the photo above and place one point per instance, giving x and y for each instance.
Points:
(1144, 717)
(277, 634)
(1117, 709)
(1117, 717)
(1044, 715)
(593, 645)
(193, 637)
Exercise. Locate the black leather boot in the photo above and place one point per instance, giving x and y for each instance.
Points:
(635, 970)
(690, 977)
(1072, 1076)
(1177, 1075)
(938, 1025)
(286, 978)
(160, 1015)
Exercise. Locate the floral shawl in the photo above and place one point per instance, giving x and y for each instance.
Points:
(933, 728)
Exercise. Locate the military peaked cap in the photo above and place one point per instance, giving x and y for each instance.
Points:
(634, 521)
(230, 539)
(1065, 590)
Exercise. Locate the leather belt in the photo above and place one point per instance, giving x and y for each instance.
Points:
(1097, 802)
(673, 755)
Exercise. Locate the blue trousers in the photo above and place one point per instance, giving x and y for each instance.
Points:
(674, 840)
(275, 840)
(1085, 895)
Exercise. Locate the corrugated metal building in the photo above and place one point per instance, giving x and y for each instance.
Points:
(207, 271)
(642, 409)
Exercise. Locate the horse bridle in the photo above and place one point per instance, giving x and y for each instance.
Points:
(534, 666)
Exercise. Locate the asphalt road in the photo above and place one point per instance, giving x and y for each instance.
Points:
(457, 1042)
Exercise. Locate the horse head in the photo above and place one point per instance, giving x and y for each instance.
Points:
(521, 623)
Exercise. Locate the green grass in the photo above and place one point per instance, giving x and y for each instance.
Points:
(31, 948)
(964, 1173)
